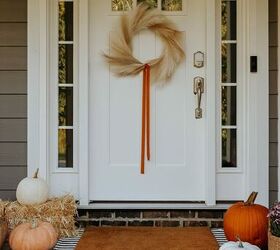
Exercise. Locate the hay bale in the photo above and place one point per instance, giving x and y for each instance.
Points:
(3, 205)
(60, 212)
(3, 232)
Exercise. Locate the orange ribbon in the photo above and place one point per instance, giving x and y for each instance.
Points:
(145, 117)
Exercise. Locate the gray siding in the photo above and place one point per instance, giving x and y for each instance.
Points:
(273, 100)
(13, 95)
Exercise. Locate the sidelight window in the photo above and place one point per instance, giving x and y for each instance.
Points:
(65, 83)
(229, 84)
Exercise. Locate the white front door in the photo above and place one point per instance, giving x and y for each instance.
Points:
(84, 124)
(177, 170)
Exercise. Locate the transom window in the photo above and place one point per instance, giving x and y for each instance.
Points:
(164, 5)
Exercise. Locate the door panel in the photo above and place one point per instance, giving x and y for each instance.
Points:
(177, 167)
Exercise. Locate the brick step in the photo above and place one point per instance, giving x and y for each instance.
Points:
(152, 218)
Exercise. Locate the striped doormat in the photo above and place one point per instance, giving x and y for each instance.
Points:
(70, 243)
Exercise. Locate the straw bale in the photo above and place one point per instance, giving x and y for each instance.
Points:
(60, 212)
(3, 205)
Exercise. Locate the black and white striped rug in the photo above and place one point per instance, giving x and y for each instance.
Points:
(70, 243)
(219, 235)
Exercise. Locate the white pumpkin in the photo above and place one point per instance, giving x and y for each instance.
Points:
(32, 191)
(232, 245)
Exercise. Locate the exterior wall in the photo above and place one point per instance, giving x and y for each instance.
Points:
(151, 218)
(273, 101)
(13, 95)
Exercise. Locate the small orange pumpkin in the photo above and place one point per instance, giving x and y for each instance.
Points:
(31, 236)
(248, 221)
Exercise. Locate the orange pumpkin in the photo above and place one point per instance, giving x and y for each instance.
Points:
(33, 236)
(248, 221)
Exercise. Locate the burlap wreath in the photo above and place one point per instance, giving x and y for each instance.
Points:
(121, 58)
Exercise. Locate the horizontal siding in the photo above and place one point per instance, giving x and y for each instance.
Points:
(13, 130)
(7, 194)
(273, 11)
(13, 82)
(273, 101)
(273, 38)
(13, 95)
(11, 176)
(273, 110)
(13, 106)
(273, 78)
(13, 154)
(273, 196)
(13, 11)
(273, 58)
(273, 179)
(273, 154)
(13, 34)
(273, 130)
(13, 58)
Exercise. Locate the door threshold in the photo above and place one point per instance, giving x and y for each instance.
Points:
(154, 205)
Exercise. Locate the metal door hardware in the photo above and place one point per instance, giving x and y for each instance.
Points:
(198, 90)
(198, 59)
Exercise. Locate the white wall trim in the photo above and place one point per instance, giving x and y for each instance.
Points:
(139, 205)
(210, 192)
(257, 111)
(83, 103)
(37, 87)
(39, 98)
(263, 104)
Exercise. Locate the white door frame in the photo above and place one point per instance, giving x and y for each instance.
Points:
(256, 12)
(257, 94)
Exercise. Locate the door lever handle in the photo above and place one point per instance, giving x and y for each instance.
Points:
(198, 90)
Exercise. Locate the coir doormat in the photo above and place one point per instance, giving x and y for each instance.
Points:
(147, 238)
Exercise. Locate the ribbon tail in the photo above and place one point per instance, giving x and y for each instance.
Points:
(148, 111)
(143, 136)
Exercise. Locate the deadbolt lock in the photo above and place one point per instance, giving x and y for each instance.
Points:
(198, 59)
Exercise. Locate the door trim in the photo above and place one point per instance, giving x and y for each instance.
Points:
(256, 112)
(37, 98)
(83, 102)
(150, 205)
(210, 173)
(257, 102)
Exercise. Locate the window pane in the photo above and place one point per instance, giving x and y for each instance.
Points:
(65, 21)
(122, 5)
(65, 67)
(229, 105)
(65, 106)
(65, 148)
(172, 5)
(229, 63)
(151, 3)
(229, 142)
(228, 20)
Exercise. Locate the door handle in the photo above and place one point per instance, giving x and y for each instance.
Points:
(198, 90)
